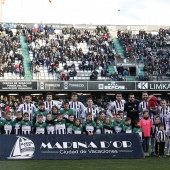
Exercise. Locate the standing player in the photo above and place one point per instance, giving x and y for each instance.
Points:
(146, 125)
(90, 109)
(143, 105)
(49, 103)
(76, 105)
(160, 138)
(164, 110)
(131, 107)
(116, 105)
(28, 107)
(168, 133)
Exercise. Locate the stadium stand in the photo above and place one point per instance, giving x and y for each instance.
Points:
(70, 53)
(152, 51)
(11, 59)
(47, 53)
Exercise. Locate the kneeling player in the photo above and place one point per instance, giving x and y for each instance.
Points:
(60, 124)
(49, 124)
(40, 126)
(89, 126)
(7, 126)
(77, 128)
(26, 124)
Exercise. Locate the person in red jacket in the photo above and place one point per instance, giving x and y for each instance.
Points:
(63, 76)
(152, 102)
(146, 125)
(152, 107)
(119, 56)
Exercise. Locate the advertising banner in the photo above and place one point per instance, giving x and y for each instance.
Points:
(112, 85)
(155, 86)
(18, 85)
(65, 85)
(50, 85)
(75, 85)
(70, 146)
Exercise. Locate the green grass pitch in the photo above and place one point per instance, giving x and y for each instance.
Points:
(149, 163)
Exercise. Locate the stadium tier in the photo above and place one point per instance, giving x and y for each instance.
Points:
(70, 54)
(48, 53)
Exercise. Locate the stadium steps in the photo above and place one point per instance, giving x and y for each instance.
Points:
(26, 58)
(111, 69)
(118, 47)
(141, 73)
(131, 78)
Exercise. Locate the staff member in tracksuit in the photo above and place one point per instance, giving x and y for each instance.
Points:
(131, 107)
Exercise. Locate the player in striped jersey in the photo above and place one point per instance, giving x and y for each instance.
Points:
(143, 104)
(155, 129)
(17, 121)
(90, 109)
(153, 112)
(161, 137)
(28, 107)
(26, 124)
(164, 110)
(116, 105)
(49, 103)
(168, 132)
(77, 106)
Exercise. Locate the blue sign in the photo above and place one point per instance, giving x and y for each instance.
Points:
(70, 146)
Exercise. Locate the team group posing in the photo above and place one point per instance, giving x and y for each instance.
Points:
(147, 118)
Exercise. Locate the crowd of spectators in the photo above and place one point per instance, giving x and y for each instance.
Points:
(11, 59)
(71, 52)
(50, 48)
(152, 49)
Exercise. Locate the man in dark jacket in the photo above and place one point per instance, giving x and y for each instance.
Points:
(131, 107)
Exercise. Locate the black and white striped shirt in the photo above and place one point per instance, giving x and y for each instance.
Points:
(168, 125)
(78, 107)
(50, 104)
(115, 106)
(155, 129)
(29, 108)
(93, 110)
(161, 135)
(163, 112)
(143, 106)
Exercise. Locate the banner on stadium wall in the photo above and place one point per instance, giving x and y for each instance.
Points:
(18, 85)
(70, 146)
(106, 85)
(83, 86)
(66, 85)
(162, 86)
